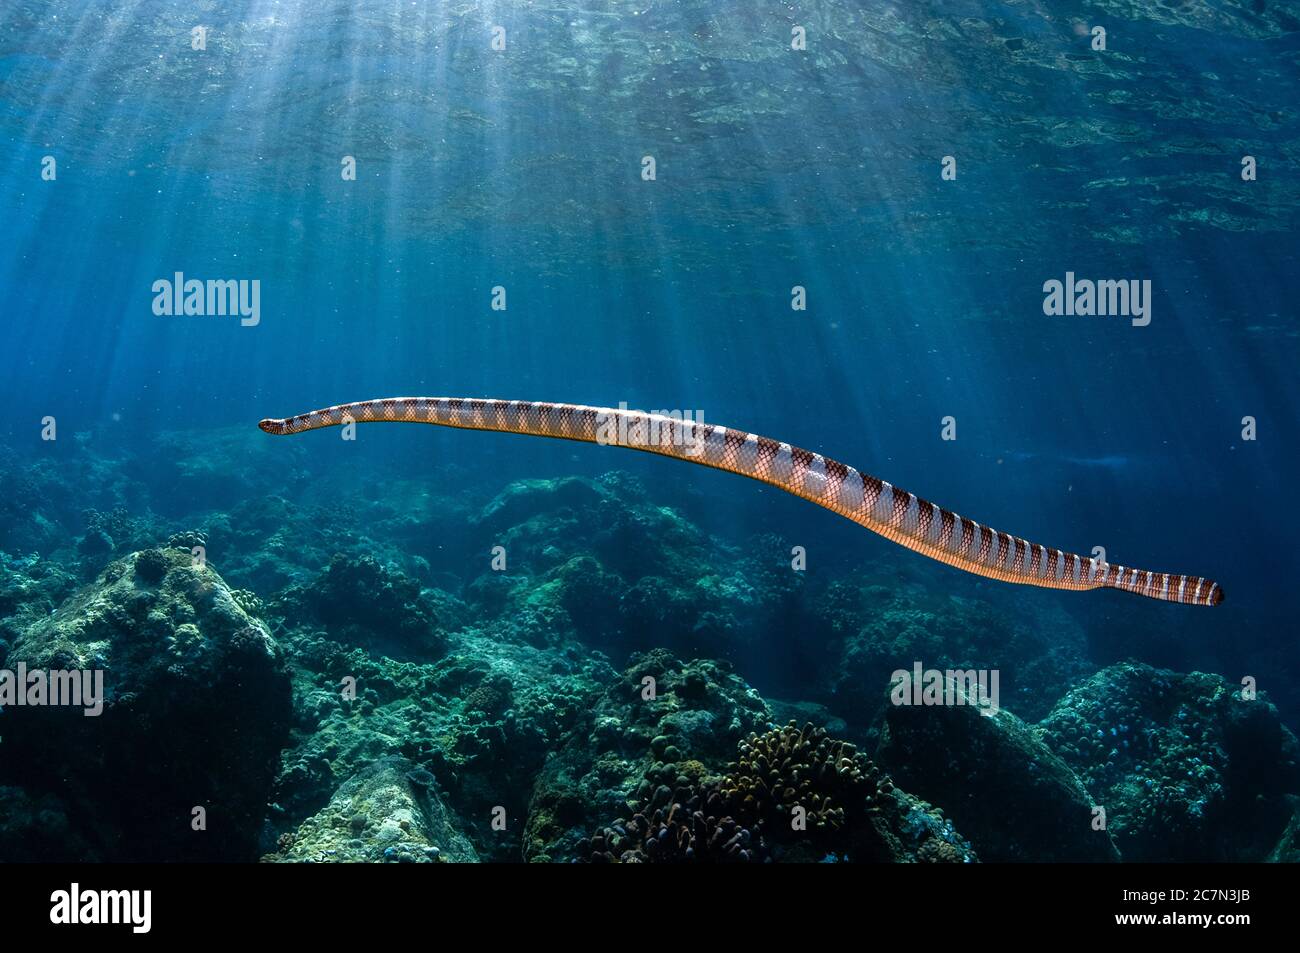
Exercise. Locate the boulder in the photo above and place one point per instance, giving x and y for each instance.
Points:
(196, 705)
(1188, 767)
(1003, 788)
(390, 812)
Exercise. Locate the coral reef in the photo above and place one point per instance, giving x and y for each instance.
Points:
(884, 628)
(30, 589)
(48, 499)
(197, 705)
(591, 560)
(481, 720)
(660, 712)
(360, 602)
(1287, 849)
(1186, 768)
(220, 466)
(794, 794)
(1004, 788)
(389, 812)
(341, 672)
(35, 828)
(112, 533)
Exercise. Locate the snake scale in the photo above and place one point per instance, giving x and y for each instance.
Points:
(897, 515)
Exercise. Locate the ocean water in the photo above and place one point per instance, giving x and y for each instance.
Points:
(815, 172)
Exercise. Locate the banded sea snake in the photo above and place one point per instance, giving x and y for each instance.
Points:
(893, 513)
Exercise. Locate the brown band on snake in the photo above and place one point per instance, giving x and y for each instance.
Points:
(897, 515)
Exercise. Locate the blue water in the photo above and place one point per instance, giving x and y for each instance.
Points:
(775, 168)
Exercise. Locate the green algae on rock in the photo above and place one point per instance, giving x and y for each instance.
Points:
(1188, 768)
(197, 707)
(1007, 791)
(361, 602)
(662, 714)
(386, 813)
(874, 629)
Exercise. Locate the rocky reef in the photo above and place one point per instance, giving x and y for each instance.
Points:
(660, 714)
(1007, 791)
(359, 602)
(1188, 767)
(794, 794)
(562, 670)
(195, 706)
(874, 629)
(389, 812)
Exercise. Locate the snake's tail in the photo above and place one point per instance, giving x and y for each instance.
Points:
(899, 516)
(1171, 587)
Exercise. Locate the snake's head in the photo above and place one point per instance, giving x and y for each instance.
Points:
(271, 426)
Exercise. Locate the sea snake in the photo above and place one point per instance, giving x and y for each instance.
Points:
(893, 513)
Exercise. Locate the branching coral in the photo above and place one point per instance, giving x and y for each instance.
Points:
(791, 770)
(793, 793)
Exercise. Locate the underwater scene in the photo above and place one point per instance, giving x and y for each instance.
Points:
(851, 278)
